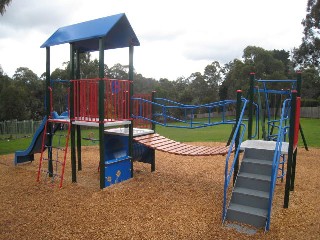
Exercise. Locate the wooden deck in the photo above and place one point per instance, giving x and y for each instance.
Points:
(157, 142)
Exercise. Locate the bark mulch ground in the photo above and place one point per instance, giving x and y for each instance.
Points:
(182, 199)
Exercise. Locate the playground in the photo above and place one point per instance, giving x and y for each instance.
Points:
(182, 199)
(152, 187)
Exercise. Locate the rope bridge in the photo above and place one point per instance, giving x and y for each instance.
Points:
(157, 142)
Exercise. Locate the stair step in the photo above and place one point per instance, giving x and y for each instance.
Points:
(250, 198)
(249, 210)
(256, 166)
(253, 181)
(255, 176)
(248, 191)
(257, 161)
(261, 154)
(245, 214)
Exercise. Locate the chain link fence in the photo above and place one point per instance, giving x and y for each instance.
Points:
(14, 129)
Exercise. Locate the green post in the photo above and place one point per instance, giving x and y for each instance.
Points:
(250, 105)
(238, 110)
(73, 132)
(78, 126)
(101, 112)
(48, 111)
(153, 161)
(47, 91)
(153, 94)
(290, 150)
(131, 106)
(299, 81)
(293, 174)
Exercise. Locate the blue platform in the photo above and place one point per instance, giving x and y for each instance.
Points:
(118, 163)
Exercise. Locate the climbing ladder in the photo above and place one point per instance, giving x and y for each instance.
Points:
(53, 165)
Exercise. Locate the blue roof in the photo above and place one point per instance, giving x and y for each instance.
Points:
(85, 36)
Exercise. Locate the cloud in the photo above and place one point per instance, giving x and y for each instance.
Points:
(177, 38)
(29, 15)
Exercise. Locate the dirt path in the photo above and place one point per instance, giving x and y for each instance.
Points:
(181, 200)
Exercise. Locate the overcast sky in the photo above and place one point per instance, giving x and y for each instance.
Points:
(177, 37)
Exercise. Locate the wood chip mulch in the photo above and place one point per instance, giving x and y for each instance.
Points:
(182, 199)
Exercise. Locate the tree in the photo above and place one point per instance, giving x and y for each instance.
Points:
(5, 82)
(26, 80)
(267, 64)
(310, 88)
(143, 85)
(3, 5)
(213, 76)
(119, 71)
(308, 53)
(13, 103)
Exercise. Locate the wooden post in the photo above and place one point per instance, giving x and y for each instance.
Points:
(290, 150)
(153, 161)
(73, 132)
(48, 112)
(78, 126)
(131, 106)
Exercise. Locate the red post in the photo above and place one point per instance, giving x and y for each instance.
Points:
(297, 123)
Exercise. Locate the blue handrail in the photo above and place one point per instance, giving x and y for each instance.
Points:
(164, 113)
(276, 157)
(228, 173)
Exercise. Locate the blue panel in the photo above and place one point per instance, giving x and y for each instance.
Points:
(115, 146)
(142, 153)
(117, 170)
(85, 35)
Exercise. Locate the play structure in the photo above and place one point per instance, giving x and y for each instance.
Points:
(263, 161)
(36, 142)
(126, 123)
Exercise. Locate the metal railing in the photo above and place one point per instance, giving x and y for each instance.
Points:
(86, 99)
(282, 131)
(169, 113)
(239, 132)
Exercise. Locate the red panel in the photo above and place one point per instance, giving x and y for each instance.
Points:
(86, 99)
(296, 124)
(144, 109)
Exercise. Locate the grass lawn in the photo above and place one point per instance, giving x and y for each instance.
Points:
(220, 133)
(11, 145)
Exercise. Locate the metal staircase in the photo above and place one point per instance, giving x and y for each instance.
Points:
(250, 197)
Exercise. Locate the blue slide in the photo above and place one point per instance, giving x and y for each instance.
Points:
(36, 143)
